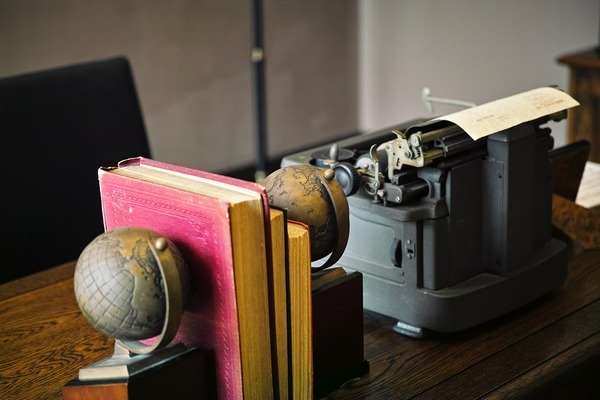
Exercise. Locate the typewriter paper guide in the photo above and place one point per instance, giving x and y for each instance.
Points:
(498, 115)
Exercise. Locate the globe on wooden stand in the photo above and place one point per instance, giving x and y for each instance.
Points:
(131, 284)
(314, 197)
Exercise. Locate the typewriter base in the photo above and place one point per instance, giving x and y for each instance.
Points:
(469, 303)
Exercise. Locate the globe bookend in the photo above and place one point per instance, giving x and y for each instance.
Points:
(131, 284)
(313, 196)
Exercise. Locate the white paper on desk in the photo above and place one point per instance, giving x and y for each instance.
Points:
(498, 115)
(588, 195)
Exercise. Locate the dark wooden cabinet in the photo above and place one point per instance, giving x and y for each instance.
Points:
(584, 86)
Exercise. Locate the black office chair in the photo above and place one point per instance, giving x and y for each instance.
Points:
(56, 128)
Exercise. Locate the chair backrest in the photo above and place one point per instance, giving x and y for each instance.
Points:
(57, 127)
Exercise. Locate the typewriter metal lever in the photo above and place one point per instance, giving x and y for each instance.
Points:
(374, 178)
(428, 100)
(419, 149)
(366, 174)
(404, 151)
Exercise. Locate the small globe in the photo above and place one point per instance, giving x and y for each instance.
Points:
(300, 190)
(119, 286)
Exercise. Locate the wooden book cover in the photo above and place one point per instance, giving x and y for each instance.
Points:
(220, 229)
(300, 315)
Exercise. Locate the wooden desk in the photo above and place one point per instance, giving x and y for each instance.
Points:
(549, 347)
(44, 338)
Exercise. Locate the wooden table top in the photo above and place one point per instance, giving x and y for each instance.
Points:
(551, 346)
(44, 338)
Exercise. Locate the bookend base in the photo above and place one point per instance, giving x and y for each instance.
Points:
(338, 347)
(190, 375)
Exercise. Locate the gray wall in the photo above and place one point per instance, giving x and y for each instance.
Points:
(333, 66)
(191, 61)
(475, 50)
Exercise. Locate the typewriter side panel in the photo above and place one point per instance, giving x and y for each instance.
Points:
(456, 240)
(509, 176)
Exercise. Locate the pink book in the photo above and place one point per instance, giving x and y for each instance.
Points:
(219, 227)
(258, 188)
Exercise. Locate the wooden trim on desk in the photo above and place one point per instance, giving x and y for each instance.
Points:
(589, 58)
(37, 280)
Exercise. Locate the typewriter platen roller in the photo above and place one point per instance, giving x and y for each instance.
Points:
(448, 231)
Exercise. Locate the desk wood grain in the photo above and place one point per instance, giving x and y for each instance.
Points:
(44, 338)
(533, 351)
(549, 348)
